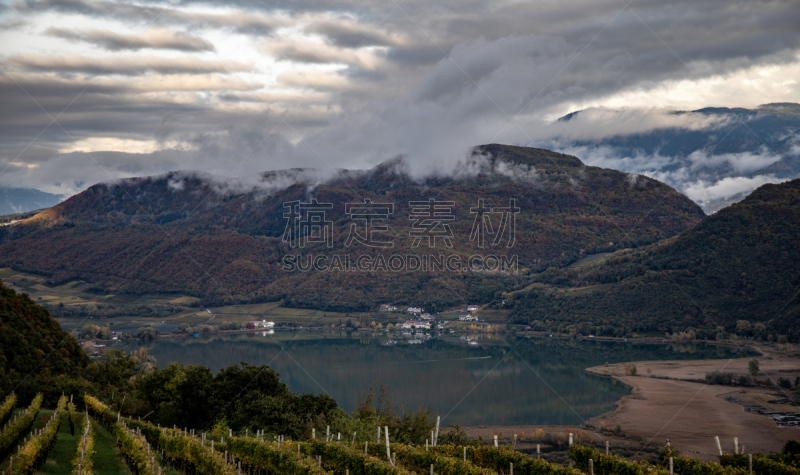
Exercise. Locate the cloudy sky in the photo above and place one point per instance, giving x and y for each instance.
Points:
(92, 91)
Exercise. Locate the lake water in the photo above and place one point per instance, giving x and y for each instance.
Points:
(502, 380)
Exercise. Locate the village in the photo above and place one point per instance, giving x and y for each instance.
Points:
(425, 321)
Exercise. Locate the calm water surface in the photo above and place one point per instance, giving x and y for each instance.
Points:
(499, 381)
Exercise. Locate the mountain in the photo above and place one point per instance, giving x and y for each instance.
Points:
(21, 200)
(198, 235)
(715, 155)
(32, 345)
(737, 264)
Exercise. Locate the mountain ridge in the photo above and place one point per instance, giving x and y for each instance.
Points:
(176, 233)
(737, 264)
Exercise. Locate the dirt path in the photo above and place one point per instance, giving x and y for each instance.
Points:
(690, 414)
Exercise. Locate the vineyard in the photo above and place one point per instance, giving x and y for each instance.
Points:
(149, 449)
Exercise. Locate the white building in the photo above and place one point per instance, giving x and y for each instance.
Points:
(467, 318)
(472, 308)
(415, 324)
(262, 324)
(385, 307)
(414, 310)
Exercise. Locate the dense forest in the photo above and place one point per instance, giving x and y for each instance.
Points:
(35, 354)
(190, 234)
(734, 273)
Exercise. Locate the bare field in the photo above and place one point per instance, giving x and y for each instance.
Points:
(668, 402)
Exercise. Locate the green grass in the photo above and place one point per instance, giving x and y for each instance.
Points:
(107, 459)
(59, 460)
(591, 259)
(493, 315)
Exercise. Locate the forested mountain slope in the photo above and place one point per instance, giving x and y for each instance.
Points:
(193, 234)
(740, 263)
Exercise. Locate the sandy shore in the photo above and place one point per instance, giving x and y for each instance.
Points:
(669, 400)
(690, 413)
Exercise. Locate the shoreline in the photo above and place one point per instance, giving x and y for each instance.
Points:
(670, 400)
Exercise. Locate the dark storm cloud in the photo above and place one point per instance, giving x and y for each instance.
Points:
(113, 9)
(416, 55)
(125, 66)
(350, 34)
(240, 21)
(423, 79)
(153, 38)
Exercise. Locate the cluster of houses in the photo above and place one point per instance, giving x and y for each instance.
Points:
(260, 324)
(425, 321)
(415, 324)
(385, 307)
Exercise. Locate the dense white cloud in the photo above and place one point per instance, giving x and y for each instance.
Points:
(704, 192)
(237, 88)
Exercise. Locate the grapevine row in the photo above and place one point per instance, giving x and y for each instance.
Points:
(8, 405)
(175, 447)
(501, 458)
(133, 445)
(82, 463)
(420, 460)
(19, 425)
(229, 456)
(762, 464)
(35, 450)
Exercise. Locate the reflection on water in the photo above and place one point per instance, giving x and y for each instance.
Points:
(499, 381)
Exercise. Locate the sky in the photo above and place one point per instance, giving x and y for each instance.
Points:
(96, 91)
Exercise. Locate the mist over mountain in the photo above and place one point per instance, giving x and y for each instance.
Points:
(204, 236)
(715, 155)
(21, 200)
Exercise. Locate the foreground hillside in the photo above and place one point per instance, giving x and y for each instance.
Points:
(189, 234)
(738, 264)
(32, 343)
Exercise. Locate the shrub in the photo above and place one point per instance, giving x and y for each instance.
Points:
(457, 436)
(721, 378)
(752, 366)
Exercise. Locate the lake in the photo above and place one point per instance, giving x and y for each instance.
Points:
(494, 380)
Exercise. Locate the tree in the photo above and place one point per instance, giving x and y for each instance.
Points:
(743, 327)
(90, 331)
(752, 366)
(114, 369)
(147, 333)
(178, 394)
